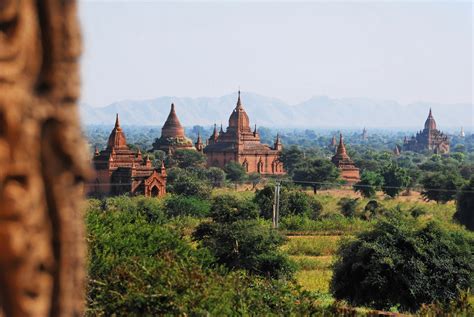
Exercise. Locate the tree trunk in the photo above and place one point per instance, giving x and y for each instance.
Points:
(43, 160)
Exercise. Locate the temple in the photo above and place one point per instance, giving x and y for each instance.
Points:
(240, 144)
(172, 135)
(365, 135)
(349, 172)
(430, 139)
(119, 170)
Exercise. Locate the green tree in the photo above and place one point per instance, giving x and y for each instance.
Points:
(441, 187)
(235, 171)
(292, 202)
(216, 176)
(183, 182)
(401, 263)
(395, 179)
(316, 173)
(239, 241)
(291, 157)
(369, 183)
(189, 158)
(465, 206)
(254, 178)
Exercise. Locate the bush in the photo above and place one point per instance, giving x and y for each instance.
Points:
(400, 262)
(292, 202)
(239, 241)
(348, 206)
(177, 205)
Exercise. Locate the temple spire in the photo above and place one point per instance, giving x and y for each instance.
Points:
(239, 102)
(341, 148)
(117, 122)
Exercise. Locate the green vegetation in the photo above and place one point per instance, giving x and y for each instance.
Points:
(465, 206)
(404, 263)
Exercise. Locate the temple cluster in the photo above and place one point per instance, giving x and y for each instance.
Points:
(120, 170)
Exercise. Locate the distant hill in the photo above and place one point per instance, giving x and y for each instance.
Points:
(317, 112)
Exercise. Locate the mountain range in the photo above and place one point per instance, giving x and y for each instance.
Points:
(317, 112)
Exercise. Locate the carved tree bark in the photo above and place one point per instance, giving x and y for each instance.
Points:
(43, 160)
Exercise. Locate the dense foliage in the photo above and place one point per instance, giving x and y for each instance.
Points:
(403, 263)
(139, 265)
(465, 206)
(239, 241)
(292, 202)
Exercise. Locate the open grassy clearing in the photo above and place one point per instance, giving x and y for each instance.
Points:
(312, 245)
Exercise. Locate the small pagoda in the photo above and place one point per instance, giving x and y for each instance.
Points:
(349, 172)
(172, 135)
(120, 170)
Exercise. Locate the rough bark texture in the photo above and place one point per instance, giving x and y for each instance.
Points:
(43, 160)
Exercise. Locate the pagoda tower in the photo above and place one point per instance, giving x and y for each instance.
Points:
(172, 135)
(430, 138)
(349, 172)
(238, 143)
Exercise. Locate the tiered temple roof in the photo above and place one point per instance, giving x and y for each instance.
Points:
(239, 143)
(349, 172)
(172, 135)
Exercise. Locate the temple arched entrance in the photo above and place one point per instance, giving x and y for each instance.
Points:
(155, 191)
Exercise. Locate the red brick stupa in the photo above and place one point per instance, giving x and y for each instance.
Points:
(120, 170)
(349, 172)
(172, 135)
(240, 144)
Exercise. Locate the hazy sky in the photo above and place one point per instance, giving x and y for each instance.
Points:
(404, 51)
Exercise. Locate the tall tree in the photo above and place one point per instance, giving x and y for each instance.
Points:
(369, 183)
(316, 173)
(395, 179)
(440, 186)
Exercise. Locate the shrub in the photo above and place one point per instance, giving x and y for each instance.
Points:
(292, 202)
(177, 205)
(239, 241)
(348, 206)
(400, 262)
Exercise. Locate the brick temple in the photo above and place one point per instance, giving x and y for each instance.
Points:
(172, 135)
(349, 172)
(240, 144)
(430, 138)
(119, 170)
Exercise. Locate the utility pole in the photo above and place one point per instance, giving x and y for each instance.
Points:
(276, 206)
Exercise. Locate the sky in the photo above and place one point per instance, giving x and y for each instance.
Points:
(401, 51)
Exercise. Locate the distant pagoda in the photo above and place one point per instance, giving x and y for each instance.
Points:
(365, 135)
(462, 134)
(172, 135)
(349, 172)
(242, 145)
(430, 138)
